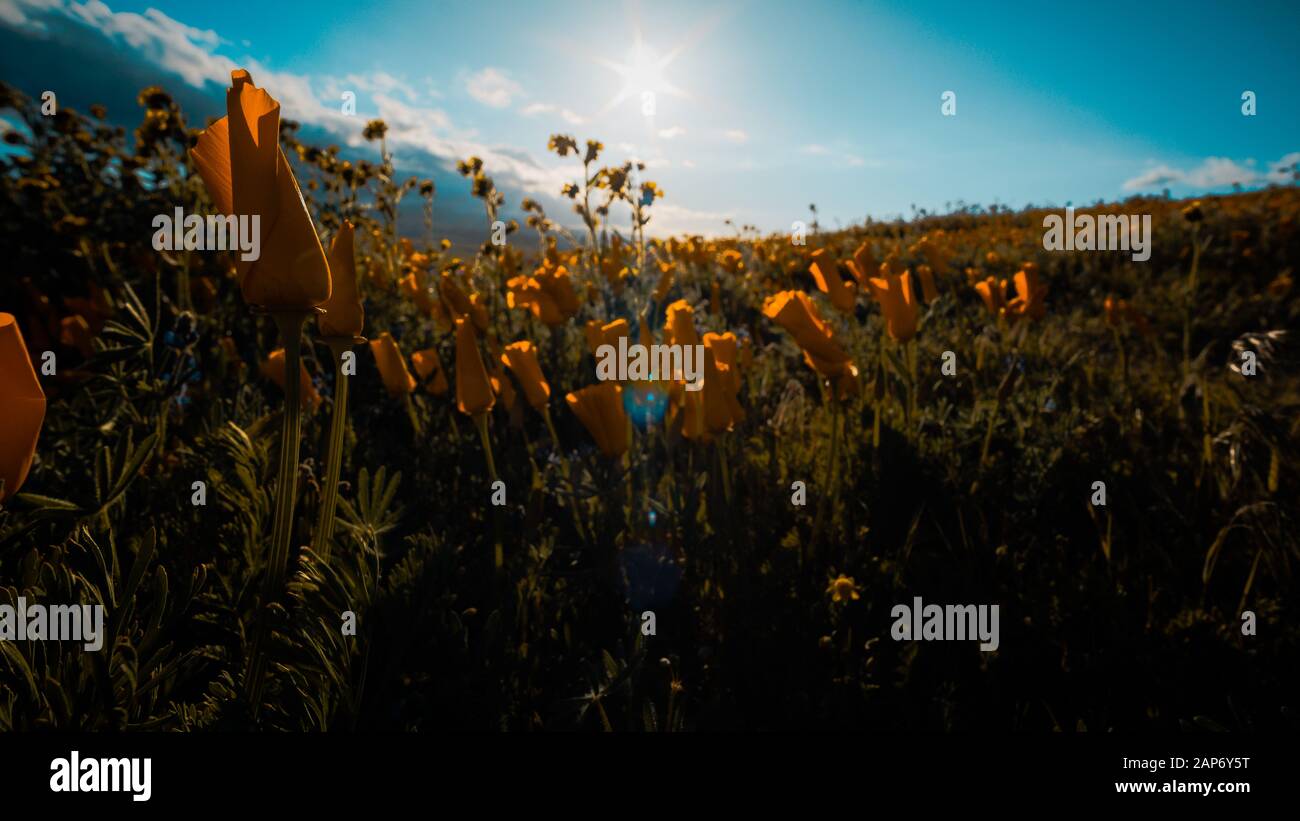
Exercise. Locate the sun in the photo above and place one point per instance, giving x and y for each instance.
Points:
(644, 75)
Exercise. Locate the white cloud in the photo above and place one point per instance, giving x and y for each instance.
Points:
(535, 109)
(668, 218)
(671, 133)
(492, 87)
(850, 160)
(380, 82)
(190, 54)
(1214, 172)
(736, 135)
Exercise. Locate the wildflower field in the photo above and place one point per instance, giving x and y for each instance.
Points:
(371, 481)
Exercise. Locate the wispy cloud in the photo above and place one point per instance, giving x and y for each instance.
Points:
(492, 87)
(736, 135)
(1214, 172)
(420, 135)
(671, 133)
(538, 109)
(848, 159)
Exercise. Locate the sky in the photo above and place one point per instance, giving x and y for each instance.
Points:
(746, 111)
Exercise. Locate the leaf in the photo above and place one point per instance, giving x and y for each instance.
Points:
(130, 470)
(46, 502)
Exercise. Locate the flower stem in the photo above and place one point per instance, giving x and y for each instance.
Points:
(480, 422)
(289, 323)
(988, 434)
(831, 473)
(334, 459)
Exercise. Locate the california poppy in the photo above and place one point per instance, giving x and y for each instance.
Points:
(721, 410)
(417, 293)
(667, 271)
(863, 264)
(427, 363)
(273, 369)
(994, 294)
(926, 276)
(794, 312)
(344, 316)
(22, 404)
(680, 325)
(392, 366)
(521, 357)
(246, 174)
(600, 409)
(827, 276)
(1030, 294)
(605, 333)
(474, 395)
(897, 303)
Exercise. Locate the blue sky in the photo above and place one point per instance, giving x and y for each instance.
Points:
(765, 107)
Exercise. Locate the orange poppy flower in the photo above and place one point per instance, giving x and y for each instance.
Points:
(732, 261)
(994, 294)
(460, 305)
(928, 291)
(721, 410)
(474, 395)
(344, 316)
(667, 271)
(692, 415)
(897, 303)
(680, 325)
(22, 404)
(558, 285)
(724, 348)
(605, 333)
(392, 365)
(827, 277)
(863, 264)
(246, 174)
(600, 409)
(501, 384)
(273, 369)
(427, 363)
(417, 293)
(795, 312)
(1030, 294)
(521, 357)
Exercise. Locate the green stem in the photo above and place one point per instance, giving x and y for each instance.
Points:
(289, 323)
(988, 434)
(480, 422)
(912, 389)
(334, 459)
(831, 473)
